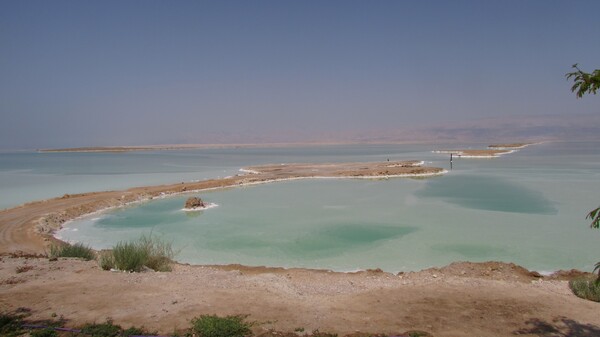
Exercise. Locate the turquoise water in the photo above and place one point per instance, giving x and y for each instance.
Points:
(488, 193)
(27, 176)
(527, 207)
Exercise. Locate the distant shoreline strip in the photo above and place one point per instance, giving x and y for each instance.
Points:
(493, 151)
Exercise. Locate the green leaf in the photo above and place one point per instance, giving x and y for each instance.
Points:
(595, 216)
(584, 83)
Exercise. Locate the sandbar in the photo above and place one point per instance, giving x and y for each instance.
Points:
(485, 153)
(509, 145)
(155, 147)
(161, 147)
(493, 151)
(28, 228)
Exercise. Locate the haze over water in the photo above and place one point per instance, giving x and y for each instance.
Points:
(527, 207)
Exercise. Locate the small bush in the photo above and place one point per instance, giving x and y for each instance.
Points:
(214, 326)
(47, 332)
(133, 331)
(159, 253)
(129, 256)
(10, 324)
(587, 288)
(107, 329)
(76, 250)
(147, 251)
(106, 260)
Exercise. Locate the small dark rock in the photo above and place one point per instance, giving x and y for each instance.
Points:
(194, 202)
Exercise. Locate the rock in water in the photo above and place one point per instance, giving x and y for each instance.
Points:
(194, 202)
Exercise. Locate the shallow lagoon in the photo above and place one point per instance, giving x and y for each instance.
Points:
(527, 207)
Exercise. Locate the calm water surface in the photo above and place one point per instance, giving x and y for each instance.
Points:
(527, 207)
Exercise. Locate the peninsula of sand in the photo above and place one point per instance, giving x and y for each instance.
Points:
(492, 151)
(168, 147)
(28, 228)
(462, 299)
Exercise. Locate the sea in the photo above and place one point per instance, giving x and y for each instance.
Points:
(528, 207)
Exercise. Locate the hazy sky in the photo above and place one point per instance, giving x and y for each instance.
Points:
(80, 73)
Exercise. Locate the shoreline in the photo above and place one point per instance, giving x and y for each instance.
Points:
(485, 154)
(510, 146)
(492, 151)
(171, 147)
(29, 228)
(45, 229)
(54, 233)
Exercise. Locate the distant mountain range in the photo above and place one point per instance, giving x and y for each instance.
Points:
(521, 128)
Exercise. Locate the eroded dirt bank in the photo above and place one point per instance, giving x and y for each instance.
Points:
(463, 299)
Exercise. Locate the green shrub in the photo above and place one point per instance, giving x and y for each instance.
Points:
(587, 288)
(10, 324)
(147, 251)
(159, 253)
(214, 326)
(129, 256)
(107, 329)
(106, 260)
(133, 331)
(76, 250)
(47, 332)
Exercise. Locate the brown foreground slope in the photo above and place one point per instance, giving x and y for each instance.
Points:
(463, 299)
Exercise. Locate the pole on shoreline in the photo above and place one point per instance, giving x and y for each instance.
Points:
(451, 161)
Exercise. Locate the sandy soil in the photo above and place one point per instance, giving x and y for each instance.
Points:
(462, 299)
